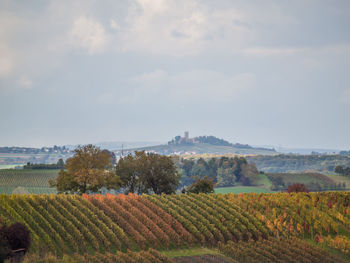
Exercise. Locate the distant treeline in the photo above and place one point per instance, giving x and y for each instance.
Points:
(26, 150)
(298, 163)
(45, 166)
(342, 170)
(224, 171)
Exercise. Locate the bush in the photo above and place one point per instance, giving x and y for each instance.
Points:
(202, 186)
(297, 188)
(4, 250)
(12, 238)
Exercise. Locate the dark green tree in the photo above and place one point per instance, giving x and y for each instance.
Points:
(187, 165)
(147, 173)
(339, 169)
(204, 185)
(226, 177)
(129, 172)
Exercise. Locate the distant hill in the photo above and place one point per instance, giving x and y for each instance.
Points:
(200, 145)
(118, 145)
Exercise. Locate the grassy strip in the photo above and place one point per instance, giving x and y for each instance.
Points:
(330, 250)
(190, 252)
(241, 189)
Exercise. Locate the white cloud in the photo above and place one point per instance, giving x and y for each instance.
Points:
(7, 62)
(8, 24)
(106, 98)
(181, 27)
(114, 25)
(25, 82)
(88, 34)
(266, 52)
(192, 86)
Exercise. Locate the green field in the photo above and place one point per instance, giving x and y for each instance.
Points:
(9, 166)
(340, 179)
(241, 189)
(313, 181)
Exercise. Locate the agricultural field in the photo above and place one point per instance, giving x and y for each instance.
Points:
(313, 181)
(305, 227)
(26, 181)
(10, 166)
(241, 189)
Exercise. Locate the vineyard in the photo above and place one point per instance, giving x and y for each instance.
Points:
(26, 181)
(102, 228)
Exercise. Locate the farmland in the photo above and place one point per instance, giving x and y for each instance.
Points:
(100, 227)
(241, 189)
(28, 181)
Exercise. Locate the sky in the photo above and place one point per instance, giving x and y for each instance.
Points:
(272, 72)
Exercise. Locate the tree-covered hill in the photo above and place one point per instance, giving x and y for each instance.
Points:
(285, 163)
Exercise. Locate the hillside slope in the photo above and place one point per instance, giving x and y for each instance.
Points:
(68, 224)
(200, 148)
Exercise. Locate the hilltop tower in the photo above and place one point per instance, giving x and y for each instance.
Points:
(186, 135)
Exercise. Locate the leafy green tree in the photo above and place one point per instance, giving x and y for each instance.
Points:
(250, 174)
(212, 168)
(339, 169)
(89, 170)
(204, 185)
(129, 172)
(187, 166)
(200, 168)
(148, 172)
(226, 177)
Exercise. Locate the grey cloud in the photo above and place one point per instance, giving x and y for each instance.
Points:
(197, 86)
(272, 72)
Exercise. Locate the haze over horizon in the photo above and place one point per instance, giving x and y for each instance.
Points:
(252, 72)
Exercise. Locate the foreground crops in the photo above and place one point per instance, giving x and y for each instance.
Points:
(70, 224)
(276, 250)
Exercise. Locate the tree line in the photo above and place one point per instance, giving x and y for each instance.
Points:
(93, 170)
(283, 163)
(342, 170)
(45, 166)
(224, 171)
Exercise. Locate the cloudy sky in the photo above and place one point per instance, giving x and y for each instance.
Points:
(257, 72)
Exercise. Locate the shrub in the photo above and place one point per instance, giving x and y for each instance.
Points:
(17, 236)
(297, 188)
(202, 186)
(3, 247)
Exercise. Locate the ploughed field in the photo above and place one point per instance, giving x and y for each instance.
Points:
(281, 227)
